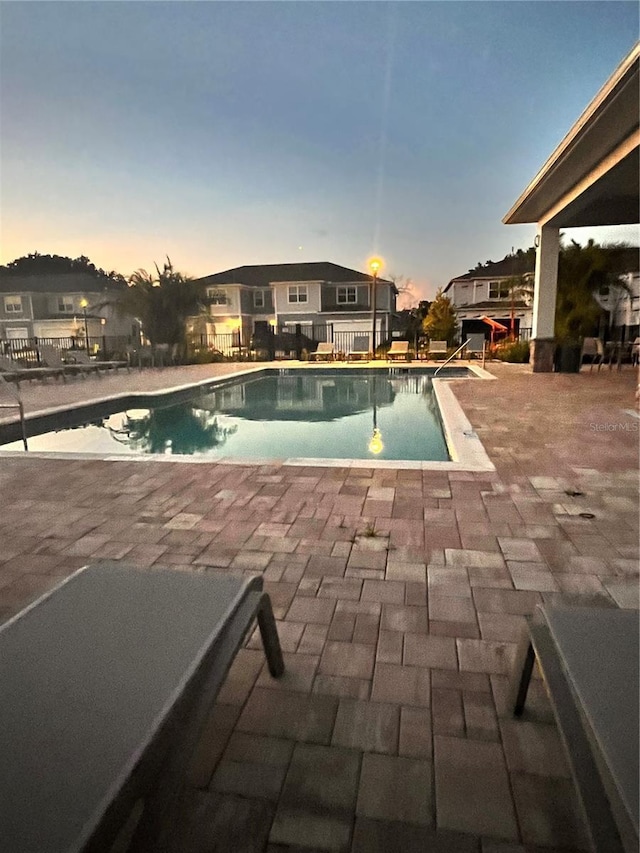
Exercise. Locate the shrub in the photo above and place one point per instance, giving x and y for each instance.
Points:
(516, 352)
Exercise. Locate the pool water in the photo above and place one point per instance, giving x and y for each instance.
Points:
(320, 414)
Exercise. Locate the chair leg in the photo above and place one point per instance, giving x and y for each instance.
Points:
(525, 678)
(270, 639)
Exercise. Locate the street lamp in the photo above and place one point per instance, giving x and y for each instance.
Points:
(374, 265)
(83, 305)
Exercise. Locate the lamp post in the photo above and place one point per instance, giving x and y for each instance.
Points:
(83, 305)
(374, 266)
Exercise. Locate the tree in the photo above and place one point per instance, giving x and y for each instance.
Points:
(162, 303)
(584, 272)
(37, 264)
(440, 324)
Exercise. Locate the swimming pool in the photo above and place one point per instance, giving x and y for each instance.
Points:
(285, 414)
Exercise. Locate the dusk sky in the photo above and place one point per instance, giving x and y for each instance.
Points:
(231, 133)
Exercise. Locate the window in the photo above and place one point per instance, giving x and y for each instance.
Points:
(498, 290)
(65, 304)
(346, 295)
(217, 296)
(258, 298)
(298, 293)
(13, 304)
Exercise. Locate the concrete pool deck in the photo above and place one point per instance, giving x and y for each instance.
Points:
(390, 729)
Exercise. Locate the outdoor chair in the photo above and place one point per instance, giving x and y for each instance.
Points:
(360, 348)
(635, 352)
(593, 349)
(399, 349)
(476, 345)
(588, 659)
(106, 684)
(437, 349)
(323, 351)
(52, 358)
(14, 373)
(81, 357)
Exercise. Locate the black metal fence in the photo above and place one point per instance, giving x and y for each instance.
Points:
(27, 350)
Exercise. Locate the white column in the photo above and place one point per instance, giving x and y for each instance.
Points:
(544, 298)
(546, 282)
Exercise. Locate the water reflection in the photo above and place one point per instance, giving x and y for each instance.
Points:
(180, 429)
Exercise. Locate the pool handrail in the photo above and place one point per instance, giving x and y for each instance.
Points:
(452, 356)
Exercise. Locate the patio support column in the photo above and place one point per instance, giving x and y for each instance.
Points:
(544, 299)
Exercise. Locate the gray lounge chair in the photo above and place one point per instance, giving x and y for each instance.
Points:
(81, 357)
(105, 681)
(399, 349)
(323, 351)
(437, 349)
(52, 358)
(476, 345)
(13, 372)
(588, 658)
(360, 348)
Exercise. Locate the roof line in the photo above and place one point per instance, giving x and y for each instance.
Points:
(577, 129)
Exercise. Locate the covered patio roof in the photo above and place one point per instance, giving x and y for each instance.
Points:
(592, 176)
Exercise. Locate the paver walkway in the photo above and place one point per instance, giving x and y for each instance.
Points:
(390, 729)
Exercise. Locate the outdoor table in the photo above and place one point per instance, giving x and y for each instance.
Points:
(589, 661)
(105, 685)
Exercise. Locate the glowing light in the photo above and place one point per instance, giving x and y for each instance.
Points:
(83, 303)
(375, 265)
(375, 445)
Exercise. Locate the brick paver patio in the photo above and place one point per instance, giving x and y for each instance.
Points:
(390, 729)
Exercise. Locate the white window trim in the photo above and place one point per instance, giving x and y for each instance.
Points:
(13, 305)
(499, 285)
(259, 298)
(348, 290)
(295, 292)
(64, 306)
(216, 293)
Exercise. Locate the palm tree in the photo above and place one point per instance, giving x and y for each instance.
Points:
(162, 302)
(584, 272)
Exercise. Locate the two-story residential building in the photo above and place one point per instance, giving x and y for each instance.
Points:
(62, 306)
(322, 298)
(501, 291)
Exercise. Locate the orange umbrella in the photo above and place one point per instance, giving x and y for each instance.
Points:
(495, 326)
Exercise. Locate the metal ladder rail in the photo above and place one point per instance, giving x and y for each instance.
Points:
(16, 404)
(452, 356)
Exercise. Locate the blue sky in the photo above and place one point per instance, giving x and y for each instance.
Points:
(233, 133)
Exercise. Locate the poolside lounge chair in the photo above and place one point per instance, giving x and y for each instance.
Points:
(107, 682)
(14, 373)
(81, 357)
(360, 348)
(594, 350)
(52, 358)
(588, 659)
(476, 345)
(323, 351)
(635, 352)
(436, 349)
(399, 349)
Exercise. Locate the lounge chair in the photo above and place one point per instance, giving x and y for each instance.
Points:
(360, 348)
(107, 683)
(399, 349)
(635, 352)
(588, 659)
(437, 349)
(81, 357)
(52, 358)
(14, 373)
(594, 350)
(323, 351)
(476, 345)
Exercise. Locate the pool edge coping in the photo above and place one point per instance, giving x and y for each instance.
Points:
(463, 443)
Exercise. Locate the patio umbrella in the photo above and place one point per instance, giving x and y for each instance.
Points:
(495, 326)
